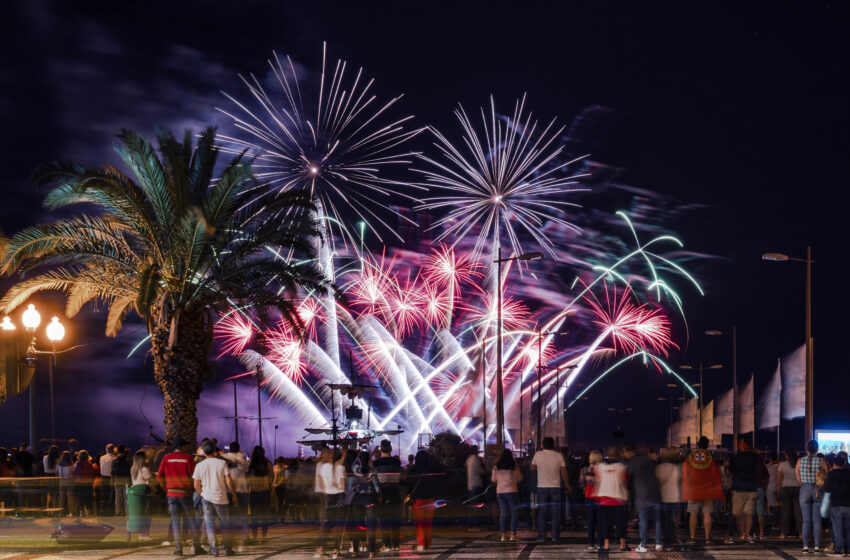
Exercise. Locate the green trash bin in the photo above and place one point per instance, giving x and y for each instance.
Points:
(138, 520)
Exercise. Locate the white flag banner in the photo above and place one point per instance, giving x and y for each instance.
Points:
(794, 384)
(746, 408)
(771, 401)
(708, 421)
(723, 415)
(689, 419)
(673, 434)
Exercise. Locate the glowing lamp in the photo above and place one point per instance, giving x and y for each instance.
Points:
(313, 170)
(7, 324)
(774, 257)
(31, 318)
(55, 330)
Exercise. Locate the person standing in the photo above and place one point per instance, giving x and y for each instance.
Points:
(669, 475)
(51, 461)
(328, 495)
(612, 494)
(65, 470)
(237, 465)
(388, 469)
(772, 494)
(84, 473)
(591, 510)
(260, 478)
(811, 495)
(551, 473)
(647, 494)
(506, 475)
(107, 491)
(474, 486)
(364, 498)
(212, 483)
(175, 473)
(423, 489)
(743, 466)
(701, 485)
(121, 478)
(789, 495)
(838, 486)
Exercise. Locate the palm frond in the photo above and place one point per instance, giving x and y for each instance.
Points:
(117, 312)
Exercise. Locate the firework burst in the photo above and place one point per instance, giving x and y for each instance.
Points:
(338, 147)
(506, 178)
(285, 352)
(233, 332)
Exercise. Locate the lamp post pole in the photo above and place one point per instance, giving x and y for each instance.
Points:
(734, 387)
(810, 373)
(500, 398)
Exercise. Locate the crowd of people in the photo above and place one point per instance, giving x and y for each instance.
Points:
(225, 499)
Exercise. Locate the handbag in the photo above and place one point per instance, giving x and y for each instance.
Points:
(824, 505)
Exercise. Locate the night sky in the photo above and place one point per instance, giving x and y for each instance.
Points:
(739, 113)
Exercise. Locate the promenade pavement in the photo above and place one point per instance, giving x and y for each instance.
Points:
(30, 540)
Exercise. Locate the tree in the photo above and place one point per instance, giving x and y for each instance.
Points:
(176, 246)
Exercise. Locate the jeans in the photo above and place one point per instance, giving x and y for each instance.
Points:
(644, 513)
(389, 515)
(222, 511)
(508, 507)
(591, 512)
(810, 506)
(840, 517)
(549, 503)
(668, 514)
(182, 508)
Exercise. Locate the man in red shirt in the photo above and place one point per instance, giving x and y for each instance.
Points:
(175, 474)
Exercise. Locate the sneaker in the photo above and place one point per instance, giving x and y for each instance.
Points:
(660, 547)
(514, 537)
(541, 539)
(166, 543)
(420, 548)
(730, 540)
(805, 550)
(504, 538)
(751, 540)
(640, 548)
(396, 548)
(384, 548)
(817, 549)
(691, 542)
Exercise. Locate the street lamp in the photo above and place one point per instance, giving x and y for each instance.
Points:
(701, 369)
(500, 397)
(55, 331)
(714, 332)
(810, 373)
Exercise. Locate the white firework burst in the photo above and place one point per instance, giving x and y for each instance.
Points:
(506, 178)
(339, 147)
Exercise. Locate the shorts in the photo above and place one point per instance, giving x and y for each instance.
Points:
(743, 503)
(760, 502)
(707, 506)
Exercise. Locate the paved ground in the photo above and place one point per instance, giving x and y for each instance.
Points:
(30, 540)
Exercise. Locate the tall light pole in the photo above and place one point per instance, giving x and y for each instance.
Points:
(55, 333)
(701, 369)
(810, 367)
(500, 397)
(734, 379)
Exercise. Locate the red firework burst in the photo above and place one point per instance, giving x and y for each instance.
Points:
(233, 332)
(445, 268)
(633, 327)
(285, 352)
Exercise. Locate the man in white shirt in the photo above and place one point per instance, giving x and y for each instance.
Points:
(107, 492)
(474, 485)
(551, 471)
(212, 482)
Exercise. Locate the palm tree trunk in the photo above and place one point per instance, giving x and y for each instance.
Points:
(180, 371)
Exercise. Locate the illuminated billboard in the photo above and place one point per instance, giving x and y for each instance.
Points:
(833, 441)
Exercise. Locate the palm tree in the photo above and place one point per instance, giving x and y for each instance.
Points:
(175, 246)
